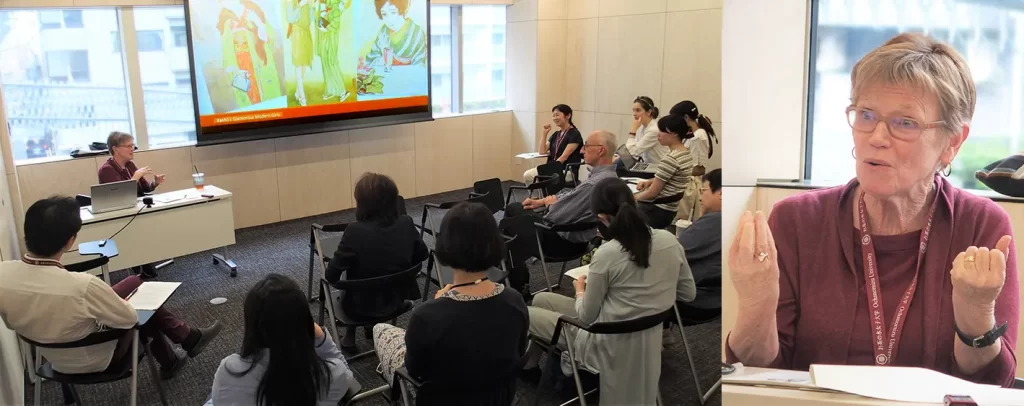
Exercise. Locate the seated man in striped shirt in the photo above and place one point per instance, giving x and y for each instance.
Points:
(673, 173)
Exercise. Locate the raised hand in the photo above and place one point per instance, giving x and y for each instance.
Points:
(547, 128)
(636, 125)
(143, 171)
(978, 274)
(753, 260)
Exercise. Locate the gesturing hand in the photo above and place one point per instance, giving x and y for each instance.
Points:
(753, 260)
(978, 273)
(547, 128)
(580, 284)
(143, 171)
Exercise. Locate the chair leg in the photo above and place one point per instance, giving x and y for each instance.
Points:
(558, 282)
(689, 357)
(75, 396)
(309, 282)
(332, 324)
(135, 369)
(575, 372)
(423, 223)
(543, 375)
(406, 397)
(544, 266)
(714, 388)
(39, 380)
(154, 372)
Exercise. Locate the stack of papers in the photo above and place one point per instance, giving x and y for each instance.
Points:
(531, 155)
(152, 295)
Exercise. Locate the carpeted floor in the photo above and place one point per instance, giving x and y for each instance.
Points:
(282, 248)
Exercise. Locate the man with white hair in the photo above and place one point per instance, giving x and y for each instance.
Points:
(568, 206)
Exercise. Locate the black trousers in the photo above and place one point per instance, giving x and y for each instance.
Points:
(550, 242)
(657, 218)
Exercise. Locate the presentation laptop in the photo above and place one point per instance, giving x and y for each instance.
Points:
(629, 162)
(114, 196)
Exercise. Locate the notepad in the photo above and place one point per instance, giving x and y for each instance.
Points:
(907, 384)
(531, 155)
(152, 295)
(777, 378)
(576, 273)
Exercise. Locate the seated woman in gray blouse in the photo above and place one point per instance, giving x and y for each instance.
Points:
(286, 359)
(635, 274)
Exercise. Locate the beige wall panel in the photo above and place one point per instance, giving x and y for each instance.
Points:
(1016, 212)
(521, 72)
(70, 177)
(580, 74)
(313, 174)
(616, 8)
(618, 124)
(630, 60)
(577, 9)
(551, 56)
(492, 146)
(683, 5)
(444, 155)
(248, 170)
(551, 9)
(683, 79)
(525, 133)
(584, 122)
(388, 150)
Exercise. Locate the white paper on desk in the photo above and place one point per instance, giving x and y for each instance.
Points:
(779, 378)
(531, 155)
(902, 384)
(152, 295)
(576, 273)
(170, 197)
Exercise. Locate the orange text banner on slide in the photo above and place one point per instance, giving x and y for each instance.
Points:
(215, 120)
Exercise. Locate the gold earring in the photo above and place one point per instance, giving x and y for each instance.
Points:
(853, 153)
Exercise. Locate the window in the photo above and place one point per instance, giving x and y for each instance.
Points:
(115, 38)
(150, 40)
(170, 118)
(73, 19)
(60, 91)
(988, 34)
(483, 36)
(474, 81)
(441, 86)
(180, 38)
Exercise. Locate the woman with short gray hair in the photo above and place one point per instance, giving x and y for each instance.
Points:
(897, 267)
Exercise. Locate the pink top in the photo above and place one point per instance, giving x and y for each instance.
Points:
(823, 311)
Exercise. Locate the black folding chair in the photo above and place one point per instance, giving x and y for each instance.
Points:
(563, 257)
(491, 192)
(330, 242)
(119, 369)
(618, 327)
(683, 321)
(88, 265)
(1018, 383)
(664, 200)
(432, 229)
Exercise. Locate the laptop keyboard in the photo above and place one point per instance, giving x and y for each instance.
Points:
(640, 166)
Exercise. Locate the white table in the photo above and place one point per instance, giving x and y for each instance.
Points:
(743, 395)
(179, 223)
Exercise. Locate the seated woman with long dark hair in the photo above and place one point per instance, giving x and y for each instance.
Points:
(636, 273)
(468, 342)
(286, 359)
(382, 241)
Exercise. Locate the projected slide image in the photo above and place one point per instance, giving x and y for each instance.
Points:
(321, 60)
(319, 41)
(393, 59)
(240, 57)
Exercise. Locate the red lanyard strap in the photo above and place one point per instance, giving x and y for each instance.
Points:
(558, 142)
(885, 343)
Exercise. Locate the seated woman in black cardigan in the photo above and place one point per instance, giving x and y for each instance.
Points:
(382, 241)
(468, 342)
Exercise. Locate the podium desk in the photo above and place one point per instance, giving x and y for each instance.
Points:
(179, 223)
(745, 395)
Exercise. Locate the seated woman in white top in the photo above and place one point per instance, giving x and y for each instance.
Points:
(637, 273)
(700, 145)
(286, 359)
(643, 135)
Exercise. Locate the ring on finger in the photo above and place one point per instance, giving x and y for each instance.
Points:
(969, 258)
(762, 256)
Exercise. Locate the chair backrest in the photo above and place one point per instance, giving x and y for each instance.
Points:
(634, 325)
(83, 200)
(667, 199)
(380, 281)
(552, 169)
(88, 265)
(98, 337)
(495, 199)
(523, 242)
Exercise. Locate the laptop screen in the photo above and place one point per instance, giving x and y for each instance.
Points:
(625, 156)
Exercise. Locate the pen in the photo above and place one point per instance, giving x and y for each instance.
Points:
(127, 298)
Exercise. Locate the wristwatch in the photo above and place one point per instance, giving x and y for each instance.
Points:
(985, 340)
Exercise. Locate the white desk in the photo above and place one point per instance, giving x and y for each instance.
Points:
(166, 230)
(742, 395)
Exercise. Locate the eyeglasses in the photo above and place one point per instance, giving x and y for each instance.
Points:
(131, 146)
(903, 128)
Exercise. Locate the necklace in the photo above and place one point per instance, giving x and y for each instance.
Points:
(470, 283)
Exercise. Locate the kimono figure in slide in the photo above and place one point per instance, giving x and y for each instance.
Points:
(248, 52)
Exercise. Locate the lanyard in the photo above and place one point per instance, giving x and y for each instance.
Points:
(886, 343)
(558, 142)
(41, 262)
(123, 171)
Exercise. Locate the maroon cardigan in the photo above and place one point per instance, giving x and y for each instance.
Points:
(822, 313)
(111, 172)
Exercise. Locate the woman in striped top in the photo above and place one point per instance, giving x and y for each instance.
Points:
(673, 172)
